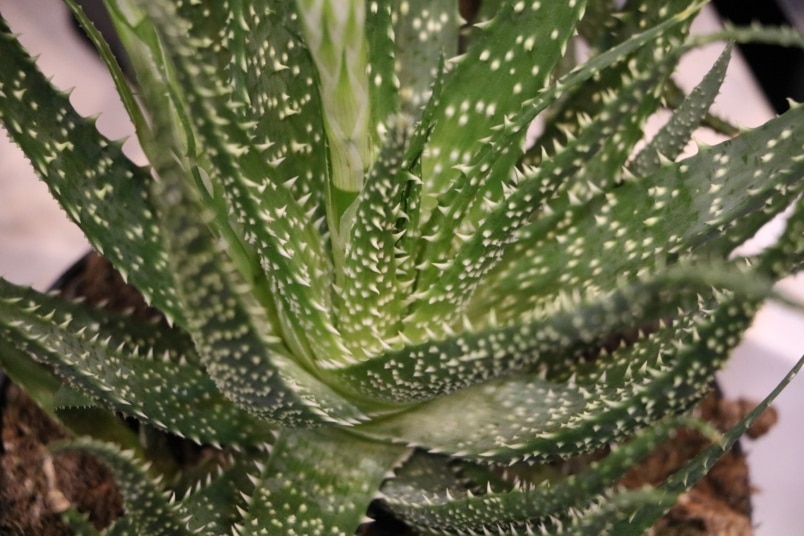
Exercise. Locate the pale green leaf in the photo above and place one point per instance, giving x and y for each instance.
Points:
(674, 135)
(552, 414)
(316, 481)
(441, 510)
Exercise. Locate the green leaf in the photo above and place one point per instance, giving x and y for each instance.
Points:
(47, 391)
(611, 515)
(123, 526)
(103, 362)
(702, 207)
(383, 83)
(423, 478)
(551, 342)
(589, 164)
(786, 255)
(37, 381)
(443, 226)
(174, 142)
(547, 415)
(372, 297)
(568, 118)
(290, 250)
(442, 511)
(151, 511)
(79, 524)
(674, 135)
(241, 350)
(87, 174)
(523, 37)
(281, 108)
(317, 481)
(217, 506)
(695, 469)
(755, 33)
(420, 47)
(130, 103)
(335, 34)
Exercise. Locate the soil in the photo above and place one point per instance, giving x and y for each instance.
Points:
(35, 486)
(721, 502)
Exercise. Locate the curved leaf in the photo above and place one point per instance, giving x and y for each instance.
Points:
(551, 343)
(686, 477)
(524, 504)
(290, 250)
(703, 207)
(146, 505)
(536, 417)
(372, 297)
(674, 135)
(176, 397)
(88, 175)
(237, 343)
(329, 495)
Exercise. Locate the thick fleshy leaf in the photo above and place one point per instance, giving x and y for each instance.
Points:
(527, 37)
(383, 82)
(79, 524)
(290, 249)
(46, 389)
(115, 366)
(691, 472)
(487, 164)
(238, 345)
(174, 142)
(554, 342)
(283, 109)
(703, 207)
(36, 380)
(146, 505)
(674, 135)
(785, 36)
(92, 179)
(544, 416)
(442, 511)
(316, 481)
(523, 37)
(424, 478)
(420, 47)
(217, 505)
(372, 297)
(590, 163)
(335, 34)
(604, 31)
(127, 97)
(606, 515)
(786, 255)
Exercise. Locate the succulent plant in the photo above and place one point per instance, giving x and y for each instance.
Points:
(376, 285)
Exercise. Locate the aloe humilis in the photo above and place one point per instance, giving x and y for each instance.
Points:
(375, 288)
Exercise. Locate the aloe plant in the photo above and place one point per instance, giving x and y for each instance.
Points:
(376, 287)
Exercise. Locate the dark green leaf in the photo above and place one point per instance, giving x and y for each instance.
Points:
(99, 188)
(148, 506)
